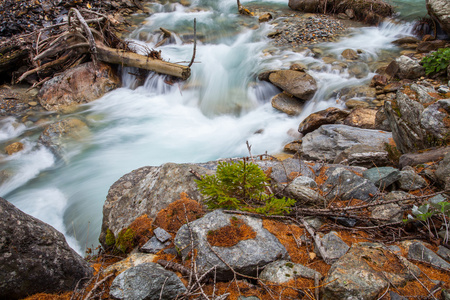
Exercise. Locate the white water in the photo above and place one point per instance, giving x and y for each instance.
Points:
(212, 116)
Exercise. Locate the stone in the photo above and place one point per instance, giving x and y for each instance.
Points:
(282, 271)
(379, 80)
(444, 252)
(147, 190)
(304, 181)
(406, 40)
(286, 170)
(382, 177)
(423, 93)
(349, 54)
(346, 185)
(387, 213)
(327, 142)
(432, 119)
(287, 103)
(363, 156)
(354, 103)
(298, 67)
(245, 257)
(154, 245)
(362, 118)
(35, 257)
(428, 46)
(418, 251)
(334, 247)
(330, 115)
(14, 148)
(410, 180)
(409, 68)
(298, 84)
(147, 281)
(266, 17)
(132, 260)
(162, 235)
(305, 195)
(443, 171)
(78, 85)
(358, 69)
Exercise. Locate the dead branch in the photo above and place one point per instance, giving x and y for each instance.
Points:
(174, 266)
(59, 61)
(195, 43)
(87, 31)
(88, 296)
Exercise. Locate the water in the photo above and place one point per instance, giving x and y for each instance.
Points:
(211, 116)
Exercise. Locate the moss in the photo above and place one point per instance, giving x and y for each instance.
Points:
(289, 265)
(110, 239)
(125, 240)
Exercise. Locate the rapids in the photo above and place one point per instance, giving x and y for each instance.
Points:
(211, 116)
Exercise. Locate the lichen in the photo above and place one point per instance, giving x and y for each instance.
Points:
(125, 240)
(110, 239)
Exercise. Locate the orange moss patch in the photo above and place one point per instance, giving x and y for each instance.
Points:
(320, 180)
(44, 296)
(142, 228)
(174, 216)
(229, 236)
(353, 236)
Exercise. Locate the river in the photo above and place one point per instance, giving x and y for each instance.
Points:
(221, 107)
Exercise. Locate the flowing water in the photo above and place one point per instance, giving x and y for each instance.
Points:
(211, 116)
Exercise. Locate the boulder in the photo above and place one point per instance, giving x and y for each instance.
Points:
(146, 191)
(349, 54)
(147, 281)
(382, 177)
(334, 247)
(440, 10)
(35, 257)
(428, 46)
(330, 115)
(391, 212)
(363, 156)
(246, 256)
(298, 84)
(286, 170)
(287, 103)
(282, 271)
(76, 86)
(413, 159)
(362, 118)
(405, 67)
(327, 142)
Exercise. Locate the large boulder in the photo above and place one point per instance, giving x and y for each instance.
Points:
(405, 67)
(327, 142)
(250, 247)
(440, 10)
(79, 85)
(296, 83)
(330, 115)
(146, 191)
(35, 257)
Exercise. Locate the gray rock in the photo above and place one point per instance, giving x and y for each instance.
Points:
(443, 171)
(363, 155)
(413, 159)
(147, 281)
(334, 247)
(246, 257)
(346, 185)
(327, 142)
(287, 104)
(154, 245)
(444, 253)
(436, 199)
(446, 294)
(282, 271)
(305, 195)
(282, 171)
(423, 93)
(395, 296)
(387, 213)
(432, 119)
(419, 252)
(410, 180)
(382, 177)
(304, 181)
(409, 68)
(358, 69)
(35, 257)
(146, 191)
(162, 235)
(440, 10)
(298, 84)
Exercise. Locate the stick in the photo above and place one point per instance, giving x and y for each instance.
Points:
(59, 61)
(195, 42)
(87, 31)
(88, 296)
(317, 241)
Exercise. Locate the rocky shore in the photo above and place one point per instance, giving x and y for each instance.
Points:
(355, 174)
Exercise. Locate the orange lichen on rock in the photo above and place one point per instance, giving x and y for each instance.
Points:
(142, 228)
(320, 180)
(174, 216)
(230, 235)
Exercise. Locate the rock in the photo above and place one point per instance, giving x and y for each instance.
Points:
(358, 69)
(35, 257)
(146, 191)
(287, 103)
(362, 118)
(305, 5)
(298, 84)
(76, 86)
(304, 181)
(145, 281)
(432, 119)
(428, 46)
(282, 271)
(382, 177)
(246, 257)
(391, 212)
(349, 54)
(162, 235)
(327, 142)
(378, 80)
(413, 159)
(14, 148)
(365, 272)
(440, 10)
(347, 185)
(444, 253)
(363, 156)
(334, 247)
(406, 40)
(354, 103)
(305, 195)
(132, 260)
(443, 171)
(298, 67)
(266, 17)
(423, 93)
(154, 245)
(410, 181)
(330, 115)
(418, 251)
(63, 135)
(286, 170)
(407, 68)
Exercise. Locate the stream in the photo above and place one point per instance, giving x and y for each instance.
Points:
(211, 116)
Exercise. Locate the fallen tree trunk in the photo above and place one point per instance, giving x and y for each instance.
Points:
(130, 59)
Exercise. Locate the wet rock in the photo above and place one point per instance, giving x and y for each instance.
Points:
(347, 185)
(363, 156)
(428, 46)
(406, 40)
(246, 257)
(409, 68)
(330, 115)
(146, 281)
(265, 17)
(146, 191)
(410, 180)
(349, 54)
(354, 103)
(327, 142)
(35, 257)
(134, 259)
(287, 103)
(282, 271)
(378, 80)
(358, 69)
(362, 118)
(334, 247)
(298, 84)
(76, 86)
(14, 148)
(298, 67)
(382, 177)
(418, 251)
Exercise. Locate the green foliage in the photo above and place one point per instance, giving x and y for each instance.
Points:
(110, 239)
(125, 240)
(241, 185)
(436, 61)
